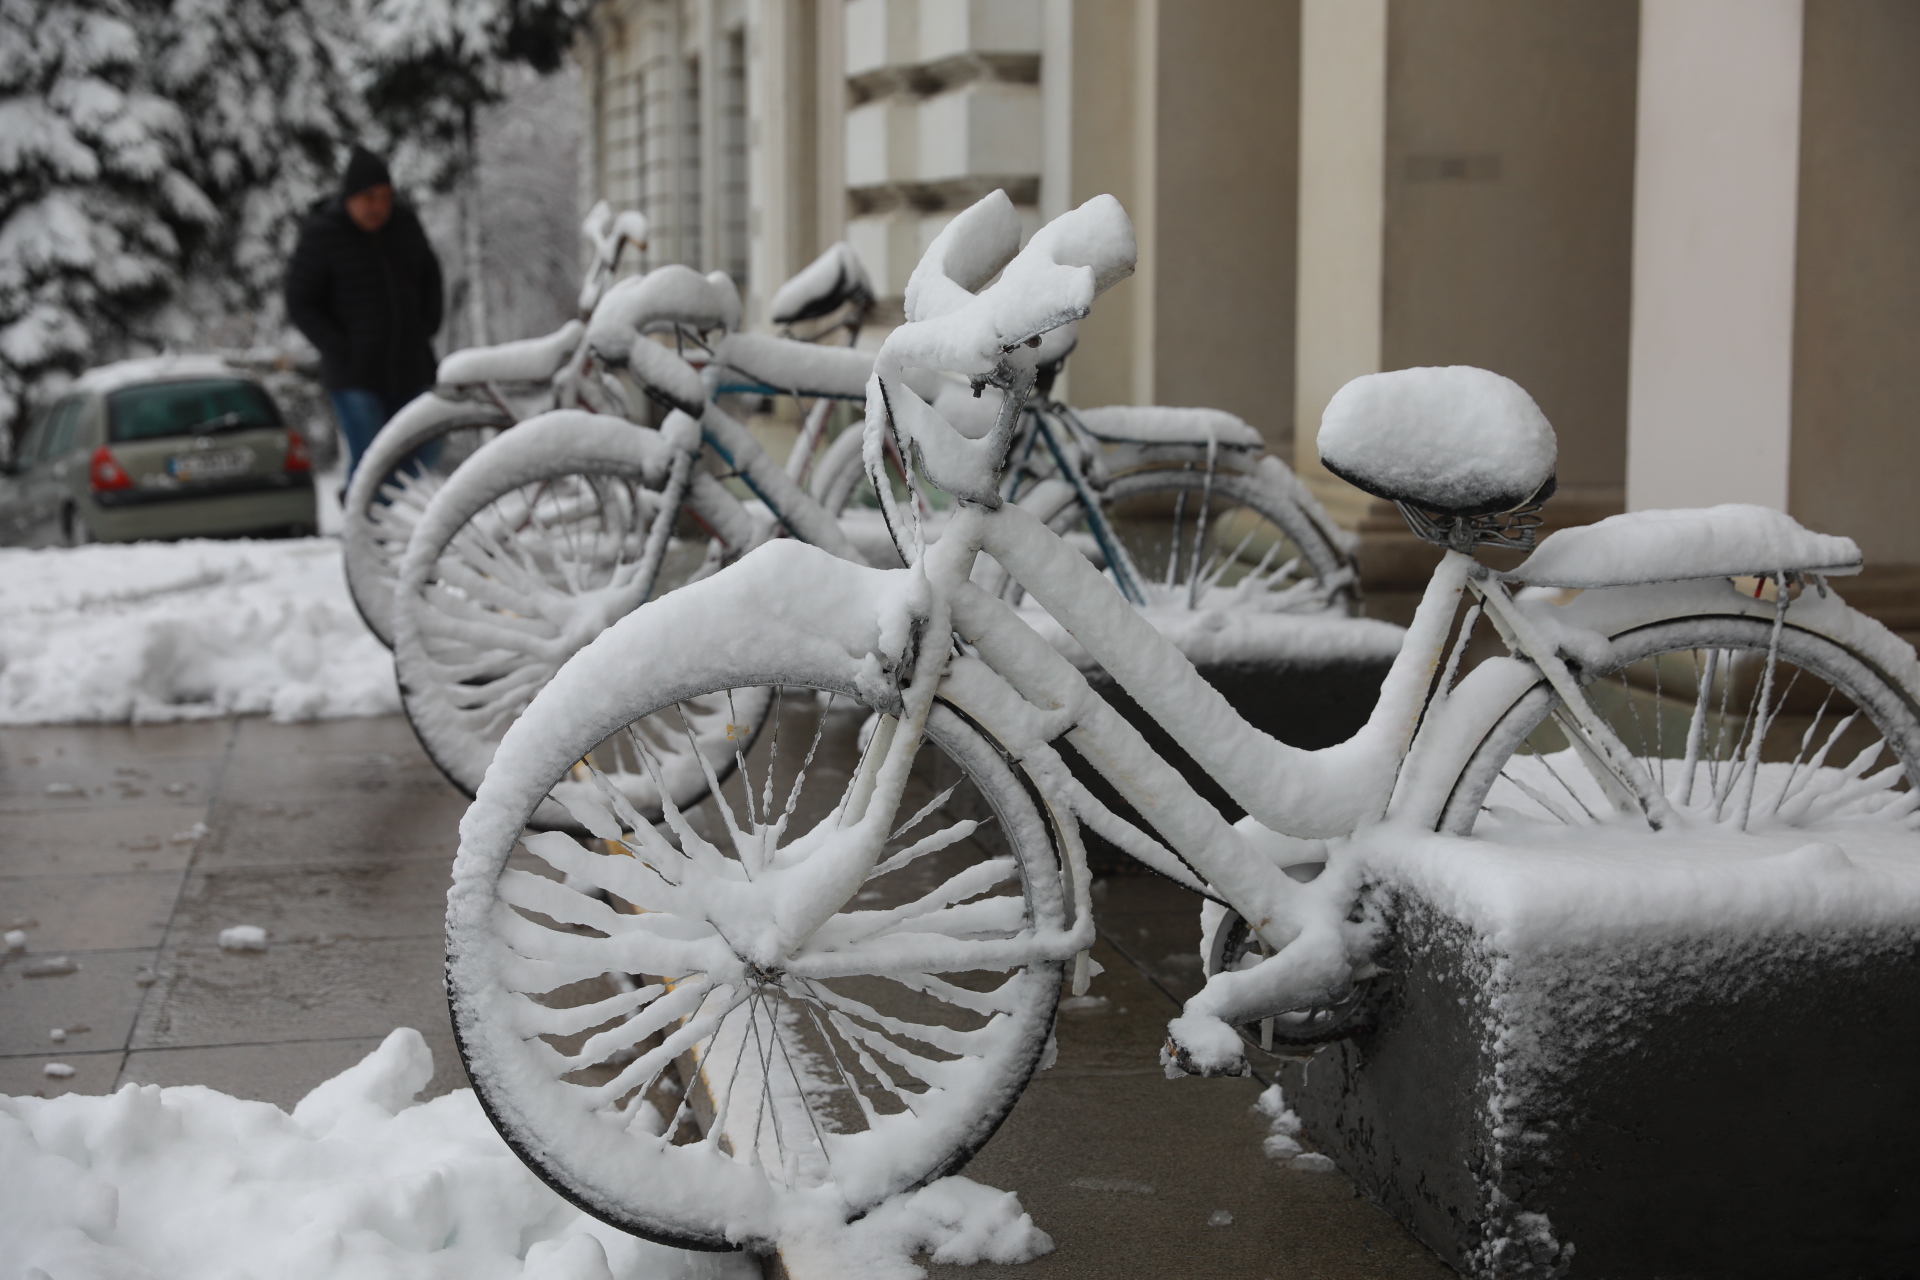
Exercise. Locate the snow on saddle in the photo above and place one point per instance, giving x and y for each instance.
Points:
(1457, 440)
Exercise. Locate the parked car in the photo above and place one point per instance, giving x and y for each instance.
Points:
(179, 447)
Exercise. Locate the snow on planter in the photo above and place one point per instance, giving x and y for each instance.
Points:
(1636, 1055)
(148, 631)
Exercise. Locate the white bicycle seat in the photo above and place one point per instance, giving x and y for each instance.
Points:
(823, 286)
(671, 294)
(1458, 440)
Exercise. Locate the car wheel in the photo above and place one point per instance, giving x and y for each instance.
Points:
(78, 532)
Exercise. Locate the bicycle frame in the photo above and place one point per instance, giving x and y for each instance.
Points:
(1009, 680)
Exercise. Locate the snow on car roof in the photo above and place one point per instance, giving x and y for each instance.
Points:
(125, 373)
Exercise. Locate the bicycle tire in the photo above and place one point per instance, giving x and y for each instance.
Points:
(707, 1178)
(1780, 765)
(1286, 564)
(387, 496)
(524, 556)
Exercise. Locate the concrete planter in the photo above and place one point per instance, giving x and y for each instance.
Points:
(1741, 1103)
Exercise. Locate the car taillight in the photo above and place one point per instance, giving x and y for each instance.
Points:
(297, 457)
(105, 473)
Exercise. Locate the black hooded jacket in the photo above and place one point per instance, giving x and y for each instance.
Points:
(369, 301)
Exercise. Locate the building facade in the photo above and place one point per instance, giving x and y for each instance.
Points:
(1686, 226)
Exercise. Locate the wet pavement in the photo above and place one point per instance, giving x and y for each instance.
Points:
(128, 850)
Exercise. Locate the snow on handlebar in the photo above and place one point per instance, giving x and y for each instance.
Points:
(670, 295)
(985, 336)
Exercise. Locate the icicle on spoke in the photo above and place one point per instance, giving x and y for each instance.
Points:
(947, 1039)
(856, 1040)
(812, 1006)
(931, 806)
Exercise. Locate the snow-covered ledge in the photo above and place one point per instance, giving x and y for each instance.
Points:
(1637, 1057)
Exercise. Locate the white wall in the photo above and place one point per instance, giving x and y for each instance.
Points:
(1709, 410)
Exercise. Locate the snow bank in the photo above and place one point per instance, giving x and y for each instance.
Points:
(155, 1183)
(147, 632)
(181, 1183)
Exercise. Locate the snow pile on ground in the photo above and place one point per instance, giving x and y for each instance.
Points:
(184, 630)
(954, 1220)
(358, 1181)
(157, 1183)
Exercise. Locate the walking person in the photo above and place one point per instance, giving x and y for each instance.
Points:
(364, 286)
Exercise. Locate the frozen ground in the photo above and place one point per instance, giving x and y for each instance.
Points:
(144, 632)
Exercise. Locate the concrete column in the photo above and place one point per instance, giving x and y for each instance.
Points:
(1343, 116)
(1716, 185)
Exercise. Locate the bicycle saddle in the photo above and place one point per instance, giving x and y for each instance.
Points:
(528, 360)
(1457, 440)
(671, 294)
(823, 286)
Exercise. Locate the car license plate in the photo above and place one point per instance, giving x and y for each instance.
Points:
(210, 464)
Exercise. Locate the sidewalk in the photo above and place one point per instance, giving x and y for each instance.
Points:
(128, 850)
(336, 837)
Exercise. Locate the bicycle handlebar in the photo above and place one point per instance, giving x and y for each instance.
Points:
(992, 336)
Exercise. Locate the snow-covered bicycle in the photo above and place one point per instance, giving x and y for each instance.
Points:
(845, 975)
(1182, 506)
(547, 536)
(478, 393)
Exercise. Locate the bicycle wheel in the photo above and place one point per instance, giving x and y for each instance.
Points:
(1229, 541)
(526, 556)
(730, 1091)
(403, 468)
(1811, 735)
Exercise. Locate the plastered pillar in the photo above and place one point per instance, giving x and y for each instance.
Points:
(1343, 100)
(1709, 410)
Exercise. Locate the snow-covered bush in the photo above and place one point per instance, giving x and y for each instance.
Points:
(156, 157)
(97, 210)
(265, 88)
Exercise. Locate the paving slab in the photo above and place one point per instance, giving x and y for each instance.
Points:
(103, 992)
(103, 912)
(295, 991)
(336, 838)
(93, 1072)
(1127, 1170)
(84, 841)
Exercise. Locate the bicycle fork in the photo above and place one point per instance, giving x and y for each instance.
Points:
(1606, 757)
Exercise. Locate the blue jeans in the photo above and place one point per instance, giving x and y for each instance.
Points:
(361, 415)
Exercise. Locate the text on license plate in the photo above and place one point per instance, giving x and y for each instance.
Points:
(213, 464)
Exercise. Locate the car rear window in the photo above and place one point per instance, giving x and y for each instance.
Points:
(189, 408)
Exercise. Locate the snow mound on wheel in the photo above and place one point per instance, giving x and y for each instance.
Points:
(360, 1180)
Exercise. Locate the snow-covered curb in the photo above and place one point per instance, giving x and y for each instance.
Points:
(156, 1183)
(150, 631)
